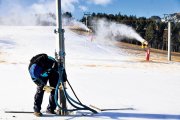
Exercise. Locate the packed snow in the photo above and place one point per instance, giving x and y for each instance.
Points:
(101, 74)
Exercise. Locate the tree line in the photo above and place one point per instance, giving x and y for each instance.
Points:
(151, 29)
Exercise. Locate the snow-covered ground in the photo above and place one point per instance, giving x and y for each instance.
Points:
(101, 74)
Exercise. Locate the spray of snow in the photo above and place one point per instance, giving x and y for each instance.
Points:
(115, 31)
(16, 13)
(75, 24)
(68, 5)
(100, 2)
(83, 8)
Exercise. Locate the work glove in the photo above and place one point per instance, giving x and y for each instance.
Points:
(48, 89)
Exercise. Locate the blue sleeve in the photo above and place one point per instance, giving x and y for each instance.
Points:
(35, 71)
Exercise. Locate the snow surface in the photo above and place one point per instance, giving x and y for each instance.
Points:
(100, 73)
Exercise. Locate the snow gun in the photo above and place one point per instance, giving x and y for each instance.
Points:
(144, 44)
(147, 49)
(60, 57)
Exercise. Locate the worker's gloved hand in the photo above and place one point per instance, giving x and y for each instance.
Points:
(39, 82)
(48, 89)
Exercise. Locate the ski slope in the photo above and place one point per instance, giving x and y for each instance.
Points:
(100, 73)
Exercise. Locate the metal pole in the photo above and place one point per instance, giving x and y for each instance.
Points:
(60, 56)
(60, 37)
(169, 41)
(86, 21)
(86, 15)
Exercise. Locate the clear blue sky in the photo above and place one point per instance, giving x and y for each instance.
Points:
(139, 8)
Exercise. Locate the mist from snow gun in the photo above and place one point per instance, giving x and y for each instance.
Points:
(115, 31)
(73, 24)
(16, 13)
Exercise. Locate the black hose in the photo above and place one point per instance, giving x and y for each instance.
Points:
(73, 91)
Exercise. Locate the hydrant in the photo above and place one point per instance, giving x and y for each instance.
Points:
(147, 54)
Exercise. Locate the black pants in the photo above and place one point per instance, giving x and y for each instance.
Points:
(38, 98)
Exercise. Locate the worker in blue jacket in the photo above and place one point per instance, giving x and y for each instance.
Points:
(43, 68)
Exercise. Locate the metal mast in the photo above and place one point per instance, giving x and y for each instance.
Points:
(169, 18)
(86, 15)
(169, 40)
(60, 56)
(60, 34)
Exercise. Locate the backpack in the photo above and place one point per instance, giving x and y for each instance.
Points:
(39, 59)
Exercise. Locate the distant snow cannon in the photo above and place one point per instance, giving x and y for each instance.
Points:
(144, 43)
(79, 29)
(146, 48)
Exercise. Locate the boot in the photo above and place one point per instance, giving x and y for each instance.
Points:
(38, 114)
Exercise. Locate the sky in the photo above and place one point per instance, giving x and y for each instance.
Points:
(139, 8)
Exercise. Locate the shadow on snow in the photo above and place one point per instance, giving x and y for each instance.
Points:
(119, 115)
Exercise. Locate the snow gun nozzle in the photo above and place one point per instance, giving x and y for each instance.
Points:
(144, 44)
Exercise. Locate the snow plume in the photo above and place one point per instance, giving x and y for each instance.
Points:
(100, 2)
(68, 5)
(16, 12)
(80, 25)
(83, 8)
(12, 13)
(43, 7)
(73, 24)
(49, 6)
(115, 31)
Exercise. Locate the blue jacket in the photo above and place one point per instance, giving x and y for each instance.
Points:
(38, 72)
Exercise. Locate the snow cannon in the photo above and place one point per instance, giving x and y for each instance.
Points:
(147, 49)
(144, 43)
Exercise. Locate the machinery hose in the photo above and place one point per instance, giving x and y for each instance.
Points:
(69, 99)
